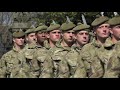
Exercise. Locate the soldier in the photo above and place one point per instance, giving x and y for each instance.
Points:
(58, 56)
(53, 35)
(40, 61)
(114, 24)
(81, 35)
(110, 56)
(82, 38)
(30, 37)
(27, 54)
(89, 52)
(40, 34)
(10, 66)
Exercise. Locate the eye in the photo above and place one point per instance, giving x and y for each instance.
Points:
(80, 33)
(118, 26)
(59, 32)
(68, 32)
(53, 32)
(86, 34)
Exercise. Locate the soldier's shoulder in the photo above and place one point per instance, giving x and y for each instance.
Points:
(22, 51)
(87, 45)
(32, 46)
(42, 50)
(7, 54)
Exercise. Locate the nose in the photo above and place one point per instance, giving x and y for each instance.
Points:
(34, 38)
(57, 34)
(43, 34)
(104, 30)
(84, 36)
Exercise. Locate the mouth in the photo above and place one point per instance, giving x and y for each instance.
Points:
(84, 41)
(104, 33)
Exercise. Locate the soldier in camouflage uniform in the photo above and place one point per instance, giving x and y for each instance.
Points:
(59, 53)
(27, 54)
(41, 34)
(89, 52)
(10, 66)
(82, 38)
(40, 61)
(110, 55)
(53, 35)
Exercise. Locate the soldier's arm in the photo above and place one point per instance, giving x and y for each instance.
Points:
(46, 68)
(63, 69)
(96, 69)
(86, 58)
(3, 67)
(35, 68)
(81, 70)
(113, 67)
(23, 66)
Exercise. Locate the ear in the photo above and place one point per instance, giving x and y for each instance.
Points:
(13, 39)
(111, 31)
(26, 39)
(48, 35)
(75, 36)
(62, 34)
(94, 32)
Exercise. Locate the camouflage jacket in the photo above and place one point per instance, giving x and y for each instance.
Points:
(42, 63)
(75, 57)
(64, 60)
(10, 66)
(109, 55)
(26, 55)
(89, 57)
(100, 59)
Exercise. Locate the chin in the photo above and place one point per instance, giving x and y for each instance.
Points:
(84, 43)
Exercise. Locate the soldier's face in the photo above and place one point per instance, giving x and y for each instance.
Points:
(40, 36)
(115, 31)
(69, 36)
(82, 37)
(103, 31)
(54, 35)
(31, 38)
(19, 41)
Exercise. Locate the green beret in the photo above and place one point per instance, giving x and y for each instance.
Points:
(114, 21)
(32, 30)
(41, 27)
(99, 21)
(67, 26)
(53, 26)
(18, 34)
(80, 27)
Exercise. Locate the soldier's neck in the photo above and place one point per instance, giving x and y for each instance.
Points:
(40, 44)
(18, 47)
(114, 40)
(101, 40)
(52, 44)
(66, 44)
(31, 42)
(79, 44)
